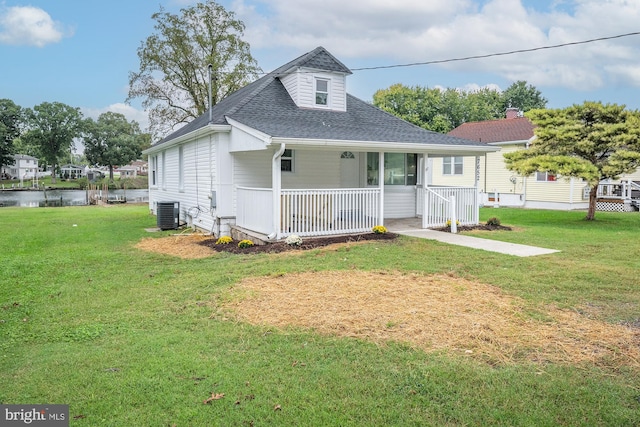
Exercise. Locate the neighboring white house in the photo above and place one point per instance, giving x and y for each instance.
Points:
(293, 153)
(502, 187)
(23, 167)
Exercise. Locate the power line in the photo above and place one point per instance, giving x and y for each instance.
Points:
(489, 55)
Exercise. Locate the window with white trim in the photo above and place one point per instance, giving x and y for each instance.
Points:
(545, 177)
(452, 165)
(399, 168)
(286, 161)
(322, 92)
(154, 171)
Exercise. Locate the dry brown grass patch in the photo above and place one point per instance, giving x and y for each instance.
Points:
(434, 313)
(186, 246)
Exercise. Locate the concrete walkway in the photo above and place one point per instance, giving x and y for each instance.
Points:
(411, 227)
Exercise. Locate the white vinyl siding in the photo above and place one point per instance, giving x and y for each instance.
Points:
(181, 168)
(199, 179)
(253, 169)
(314, 169)
(399, 202)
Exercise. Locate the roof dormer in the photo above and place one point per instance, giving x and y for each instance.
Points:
(317, 80)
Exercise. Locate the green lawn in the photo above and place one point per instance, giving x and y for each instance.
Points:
(127, 337)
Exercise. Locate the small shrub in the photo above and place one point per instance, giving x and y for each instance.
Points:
(293, 240)
(379, 229)
(245, 244)
(224, 240)
(449, 223)
(493, 221)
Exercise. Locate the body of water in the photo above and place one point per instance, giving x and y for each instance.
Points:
(35, 199)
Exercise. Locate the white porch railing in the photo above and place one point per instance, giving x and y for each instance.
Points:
(329, 211)
(625, 190)
(317, 212)
(434, 205)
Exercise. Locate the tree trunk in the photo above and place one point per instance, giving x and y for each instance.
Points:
(591, 213)
(110, 173)
(53, 173)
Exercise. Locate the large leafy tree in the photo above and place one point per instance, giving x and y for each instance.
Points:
(441, 110)
(174, 76)
(112, 140)
(523, 96)
(591, 141)
(11, 121)
(52, 127)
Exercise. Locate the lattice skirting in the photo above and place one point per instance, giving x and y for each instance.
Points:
(613, 207)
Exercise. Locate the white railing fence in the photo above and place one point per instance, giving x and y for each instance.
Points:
(254, 209)
(434, 203)
(329, 211)
(626, 190)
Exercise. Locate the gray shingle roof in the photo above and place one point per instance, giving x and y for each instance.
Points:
(266, 106)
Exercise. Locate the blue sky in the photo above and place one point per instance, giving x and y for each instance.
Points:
(80, 52)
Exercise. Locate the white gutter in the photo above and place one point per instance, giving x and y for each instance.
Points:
(389, 147)
(276, 186)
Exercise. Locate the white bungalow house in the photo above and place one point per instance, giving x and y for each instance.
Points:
(501, 187)
(293, 153)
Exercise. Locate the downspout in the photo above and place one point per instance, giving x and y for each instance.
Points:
(276, 187)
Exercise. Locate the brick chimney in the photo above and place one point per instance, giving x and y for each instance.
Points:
(513, 113)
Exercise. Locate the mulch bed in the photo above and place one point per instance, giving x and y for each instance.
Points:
(485, 227)
(307, 243)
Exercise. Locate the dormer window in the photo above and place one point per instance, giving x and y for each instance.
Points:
(322, 92)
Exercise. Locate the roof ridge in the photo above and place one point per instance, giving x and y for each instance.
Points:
(503, 119)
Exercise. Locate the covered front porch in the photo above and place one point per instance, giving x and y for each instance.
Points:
(320, 212)
(320, 192)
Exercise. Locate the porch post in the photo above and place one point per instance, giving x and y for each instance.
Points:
(381, 185)
(476, 211)
(276, 188)
(425, 185)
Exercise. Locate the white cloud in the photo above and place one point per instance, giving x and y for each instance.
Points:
(28, 25)
(128, 111)
(407, 31)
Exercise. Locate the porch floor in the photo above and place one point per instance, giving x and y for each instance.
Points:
(411, 227)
